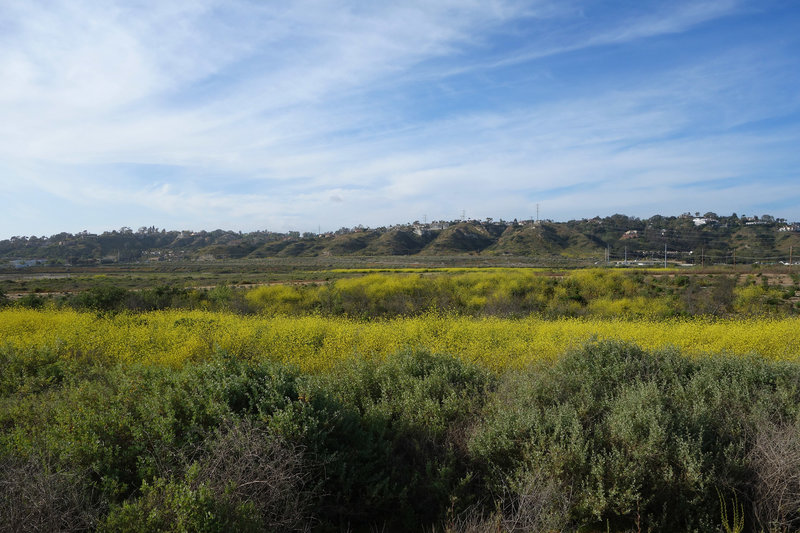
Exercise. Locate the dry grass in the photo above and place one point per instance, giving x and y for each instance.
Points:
(37, 496)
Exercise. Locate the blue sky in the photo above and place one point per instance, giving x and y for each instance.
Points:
(250, 115)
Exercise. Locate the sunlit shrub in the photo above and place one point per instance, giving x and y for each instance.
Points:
(635, 307)
(279, 299)
(517, 293)
(180, 505)
(756, 299)
(598, 283)
(632, 437)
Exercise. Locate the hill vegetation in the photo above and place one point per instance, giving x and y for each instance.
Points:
(707, 239)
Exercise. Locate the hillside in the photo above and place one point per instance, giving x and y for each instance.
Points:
(707, 239)
(460, 238)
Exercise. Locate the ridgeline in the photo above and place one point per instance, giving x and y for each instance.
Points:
(710, 239)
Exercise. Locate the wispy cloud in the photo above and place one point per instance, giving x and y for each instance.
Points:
(579, 31)
(211, 113)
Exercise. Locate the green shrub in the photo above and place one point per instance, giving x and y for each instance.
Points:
(29, 371)
(391, 435)
(608, 436)
(631, 435)
(130, 423)
(102, 298)
(180, 506)
(163, 297)
(31, 301)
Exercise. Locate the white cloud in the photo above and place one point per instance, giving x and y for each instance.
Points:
(307, 113)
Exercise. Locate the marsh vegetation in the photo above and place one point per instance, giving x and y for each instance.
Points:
(499, 400)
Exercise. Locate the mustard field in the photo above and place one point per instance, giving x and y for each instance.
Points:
(316, 343)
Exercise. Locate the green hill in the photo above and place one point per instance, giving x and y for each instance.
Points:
(461, 238)
(710, 239)
(399, 242)
(530, 239)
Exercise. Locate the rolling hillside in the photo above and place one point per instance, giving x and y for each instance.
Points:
(710, 238)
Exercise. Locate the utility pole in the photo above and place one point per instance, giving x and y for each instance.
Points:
(425, 219)
(537, 213)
